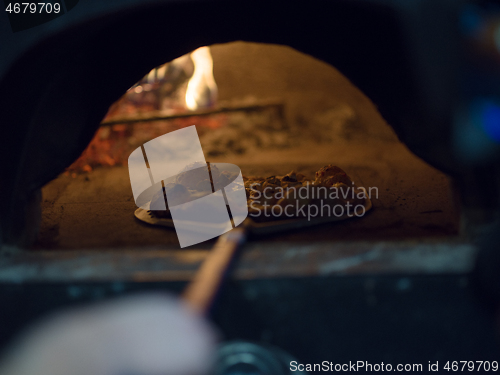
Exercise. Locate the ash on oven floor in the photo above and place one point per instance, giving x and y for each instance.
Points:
(96, 210)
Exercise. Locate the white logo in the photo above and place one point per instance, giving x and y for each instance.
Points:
(205, 200)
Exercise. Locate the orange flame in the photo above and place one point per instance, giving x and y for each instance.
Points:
(201, 89)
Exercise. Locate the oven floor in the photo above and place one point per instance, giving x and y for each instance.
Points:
(96, 210)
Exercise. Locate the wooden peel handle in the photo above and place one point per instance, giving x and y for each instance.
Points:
(201, 291)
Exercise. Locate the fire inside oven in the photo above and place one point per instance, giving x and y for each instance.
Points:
(268, 109)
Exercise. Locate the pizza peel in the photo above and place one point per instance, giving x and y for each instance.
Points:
(202, 290)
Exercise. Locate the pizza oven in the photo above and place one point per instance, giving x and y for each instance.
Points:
(358, 84)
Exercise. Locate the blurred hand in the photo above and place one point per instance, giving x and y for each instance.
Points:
(143, 335)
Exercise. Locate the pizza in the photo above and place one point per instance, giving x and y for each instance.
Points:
(330, 193)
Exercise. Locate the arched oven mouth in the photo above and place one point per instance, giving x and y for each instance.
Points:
(272, 111)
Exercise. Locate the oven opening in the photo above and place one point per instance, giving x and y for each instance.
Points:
(270, 110)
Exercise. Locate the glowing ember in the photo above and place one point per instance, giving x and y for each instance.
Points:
(113, 144)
